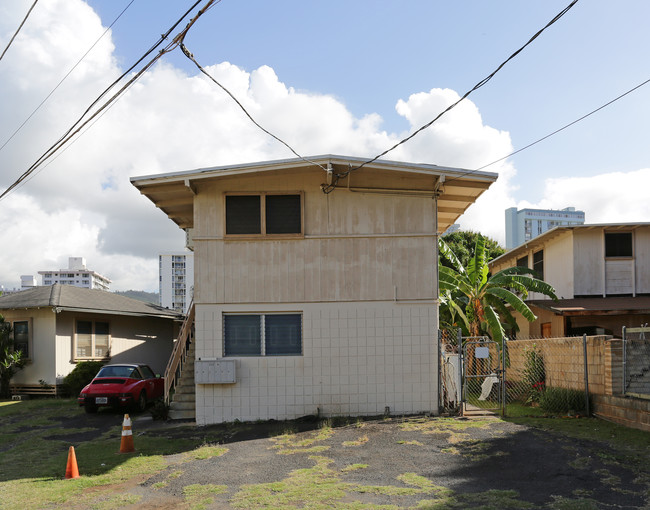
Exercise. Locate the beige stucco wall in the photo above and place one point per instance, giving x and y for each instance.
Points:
(41, 365)
(358, 359)
(357, 247)
(133, 339)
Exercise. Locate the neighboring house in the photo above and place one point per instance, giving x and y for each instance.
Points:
(58, 326)
(600, 272)
(77, 274)
(176, 276)
(525, 224)
(309, 302)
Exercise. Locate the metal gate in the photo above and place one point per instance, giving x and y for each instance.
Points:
(482, 376)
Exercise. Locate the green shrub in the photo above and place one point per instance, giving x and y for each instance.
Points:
(563, 401)
(82, 374)
(534, 373)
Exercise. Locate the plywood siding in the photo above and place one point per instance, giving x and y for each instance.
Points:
(588, 262)
(642, 259)
(356, 247)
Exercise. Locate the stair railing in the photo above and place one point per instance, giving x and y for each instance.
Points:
(179, 353)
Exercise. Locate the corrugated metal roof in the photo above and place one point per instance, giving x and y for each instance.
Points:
(68, 297)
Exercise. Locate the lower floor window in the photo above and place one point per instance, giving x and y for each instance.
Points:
(92, 339)
(262, 334)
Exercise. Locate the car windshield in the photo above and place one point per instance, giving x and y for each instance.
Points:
(118, 372)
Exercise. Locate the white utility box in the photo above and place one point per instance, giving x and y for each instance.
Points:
(215, 371)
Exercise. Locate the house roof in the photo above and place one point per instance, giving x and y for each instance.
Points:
(70, 298)
(542, 239)
(595, 305)
(456, 188)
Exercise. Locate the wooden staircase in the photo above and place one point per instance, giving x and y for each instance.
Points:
(180, 389)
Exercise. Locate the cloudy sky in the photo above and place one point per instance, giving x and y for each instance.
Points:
(340, 77)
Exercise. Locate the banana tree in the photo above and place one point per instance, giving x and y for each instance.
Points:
(481, 303)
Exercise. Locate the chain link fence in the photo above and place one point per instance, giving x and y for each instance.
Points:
(551, 374)
(636, 361)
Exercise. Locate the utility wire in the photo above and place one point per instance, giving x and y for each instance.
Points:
(329, 188)
(562, 128)
(80, 123)
(64, 78)
(18, 30)
(189, 55)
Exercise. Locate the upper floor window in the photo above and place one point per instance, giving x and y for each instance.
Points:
(264, 214)
(538, 263)
(618, 244)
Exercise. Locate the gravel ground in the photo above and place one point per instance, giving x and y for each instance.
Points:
(466, 463)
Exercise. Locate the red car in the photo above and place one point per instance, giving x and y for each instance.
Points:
(124, 385)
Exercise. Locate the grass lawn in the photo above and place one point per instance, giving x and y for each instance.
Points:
(35, 436)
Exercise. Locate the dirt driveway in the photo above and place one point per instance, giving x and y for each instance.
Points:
(411, 463)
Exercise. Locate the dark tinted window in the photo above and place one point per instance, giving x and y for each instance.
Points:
(618, 244)
(283, 214)
(21, 337)
(522, 262)
(243, 214)
(538, 263)
(242, 335)
(283, 334)
(147, 373)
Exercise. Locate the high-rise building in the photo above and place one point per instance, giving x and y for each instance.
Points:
(77, 274)
(525, 224)
(176, 280)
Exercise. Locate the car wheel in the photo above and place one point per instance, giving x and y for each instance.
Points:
(142, 401)
(90, 408)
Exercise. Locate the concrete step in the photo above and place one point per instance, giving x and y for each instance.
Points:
(182, 406)
(184, 397)
(181, 415)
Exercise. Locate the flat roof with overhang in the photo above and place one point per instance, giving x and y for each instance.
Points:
(455, 188)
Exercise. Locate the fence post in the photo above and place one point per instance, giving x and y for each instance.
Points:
(461, 361)
(504, 391)
(440, 383)
(584, 348)
(624, 360)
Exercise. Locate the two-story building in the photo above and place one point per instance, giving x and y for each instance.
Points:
(315, 286)
(601, 273)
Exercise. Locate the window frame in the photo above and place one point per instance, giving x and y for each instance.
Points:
(263, 234)
(262, 340)
(616, 233)
(30, 336)
(93, 345)
(537, 262)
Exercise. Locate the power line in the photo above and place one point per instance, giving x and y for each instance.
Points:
(190, 56)
(80, 123)
(565, 126)
(329, 188)
(64, 78)
(18, 30)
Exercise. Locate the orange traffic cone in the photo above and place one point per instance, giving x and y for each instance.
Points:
(71, 469)
(126, 445)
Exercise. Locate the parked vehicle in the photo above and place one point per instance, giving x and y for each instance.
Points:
(125, 385)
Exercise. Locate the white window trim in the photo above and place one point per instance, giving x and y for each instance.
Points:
(75, 357)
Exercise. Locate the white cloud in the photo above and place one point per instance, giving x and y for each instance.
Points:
(83, 204)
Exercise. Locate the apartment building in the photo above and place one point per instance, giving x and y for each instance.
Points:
(176, 285)
(526, 224)
(77, 275)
